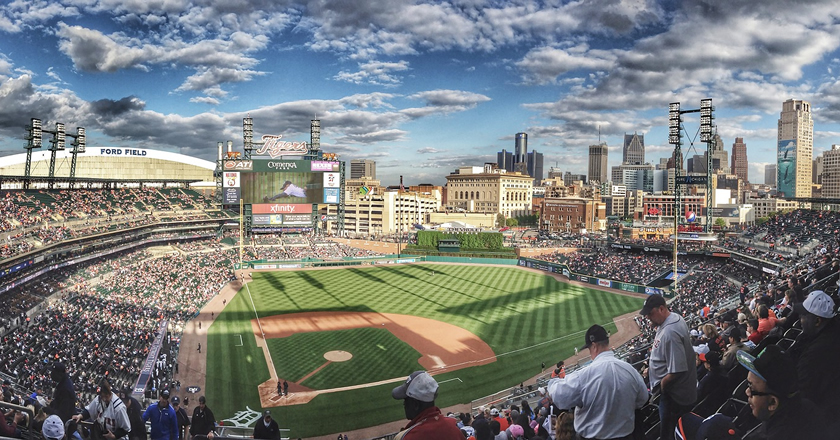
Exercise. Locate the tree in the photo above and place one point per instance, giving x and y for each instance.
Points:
(512, 222)
(720, 222)
(500, 220)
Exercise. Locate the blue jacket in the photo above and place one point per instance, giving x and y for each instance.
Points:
(164, 422)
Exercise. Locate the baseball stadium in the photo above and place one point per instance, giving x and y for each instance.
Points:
(227, 282)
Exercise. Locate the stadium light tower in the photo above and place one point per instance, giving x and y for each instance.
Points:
(78, 144)
(57, 144)
(34, 138)
(706, 118)
(675, 139)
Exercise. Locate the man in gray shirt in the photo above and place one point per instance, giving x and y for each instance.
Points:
(672, 363)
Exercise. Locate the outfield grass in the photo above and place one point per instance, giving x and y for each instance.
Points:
(526, 317)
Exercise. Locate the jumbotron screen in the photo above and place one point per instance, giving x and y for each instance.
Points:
(282, 192)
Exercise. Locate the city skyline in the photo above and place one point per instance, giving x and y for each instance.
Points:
(420, 87)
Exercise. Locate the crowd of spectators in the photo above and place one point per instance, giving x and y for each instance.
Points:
(619, 265)
(33, 218)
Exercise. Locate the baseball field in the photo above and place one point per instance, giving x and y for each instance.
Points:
(342, 338)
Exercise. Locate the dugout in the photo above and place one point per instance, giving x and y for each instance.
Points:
(449, 245)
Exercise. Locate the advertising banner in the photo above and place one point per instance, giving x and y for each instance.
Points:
(281, 208)
(331, 195)
(231, 179)
(786, 168)
(320, 165)
(231, 196)
(332, 180)
(603, 283)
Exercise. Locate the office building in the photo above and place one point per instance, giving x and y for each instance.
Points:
(831, 173)
(795, 149)
(488, 190)
(535, 165)
(362, 168)
(720, 158)
(770, 174)
(521, 147)
(598, 163)
(634, 149)
(505, 160)
(740, 165)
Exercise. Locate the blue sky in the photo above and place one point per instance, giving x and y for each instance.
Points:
(421, 87)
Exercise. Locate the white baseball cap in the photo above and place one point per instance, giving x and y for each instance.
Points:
(53, 428)
(419, 386)
(818, 303)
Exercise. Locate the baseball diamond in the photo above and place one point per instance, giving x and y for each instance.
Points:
(488, 327)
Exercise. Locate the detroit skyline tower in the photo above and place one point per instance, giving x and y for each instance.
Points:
(795, 149)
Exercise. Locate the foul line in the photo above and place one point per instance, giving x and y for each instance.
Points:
(260, 325)
(240, 341)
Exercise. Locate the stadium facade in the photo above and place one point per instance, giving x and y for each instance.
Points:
(115, 163)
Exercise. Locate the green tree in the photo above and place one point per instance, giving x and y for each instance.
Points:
(500, 220)
(512, 222)
(720, 222)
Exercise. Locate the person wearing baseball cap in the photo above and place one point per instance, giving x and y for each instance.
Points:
(183, 417)
(53, 428)
(817, 353)
(418, 394)
(605, 395)
(672, 364)
(774, 398)
(267, 428)
(163, 418)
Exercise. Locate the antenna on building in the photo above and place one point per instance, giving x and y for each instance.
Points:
(599, 133)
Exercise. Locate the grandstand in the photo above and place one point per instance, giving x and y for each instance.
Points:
(90, 276)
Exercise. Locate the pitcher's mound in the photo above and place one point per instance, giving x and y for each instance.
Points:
(338, 356)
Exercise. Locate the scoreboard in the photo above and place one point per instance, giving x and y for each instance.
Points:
(281, 192)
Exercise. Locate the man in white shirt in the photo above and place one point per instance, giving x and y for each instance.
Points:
(605, 394)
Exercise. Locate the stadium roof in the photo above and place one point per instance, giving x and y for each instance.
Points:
(131, 153)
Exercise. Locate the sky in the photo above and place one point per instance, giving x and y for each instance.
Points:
(421, 87)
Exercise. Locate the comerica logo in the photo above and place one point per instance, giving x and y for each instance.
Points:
(282, 165)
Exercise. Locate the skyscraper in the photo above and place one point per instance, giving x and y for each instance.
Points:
(598, 163)
(362, 168)
(770, 174)
(521, 147)
(505, 160)
(795, 149)
(740, 166)
(634, 149)
(720, 160)
(535, 166)
(831, 173)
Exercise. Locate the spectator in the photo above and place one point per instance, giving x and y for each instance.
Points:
(714, 382)
(267, 428)
(818, 359)
(503, 423)
(10, 428)
(735, 345)
(64, 396)
(774, 399)
(163, 419)
(605, 395)
(107, 412)
(671, 364)
(418, 394)
(183, 418)
(135, 415)
(203, 421)
(53, 428)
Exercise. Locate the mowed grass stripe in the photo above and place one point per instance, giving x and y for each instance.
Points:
(513, 310)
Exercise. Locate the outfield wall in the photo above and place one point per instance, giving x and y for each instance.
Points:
(584, 278)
